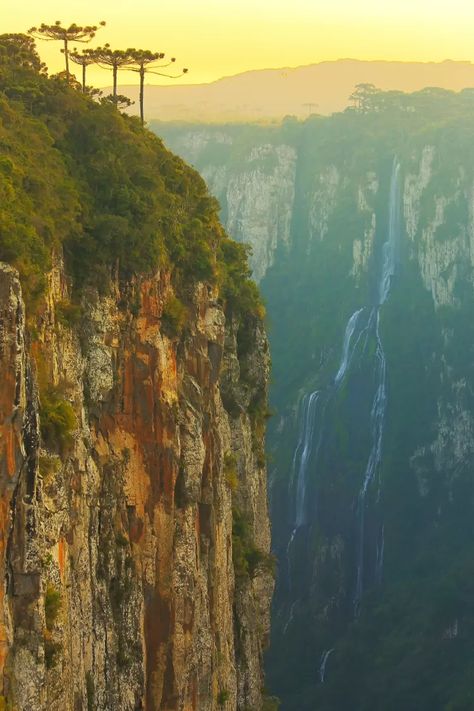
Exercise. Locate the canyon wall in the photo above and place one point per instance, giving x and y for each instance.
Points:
(371, 444)
(125, 454)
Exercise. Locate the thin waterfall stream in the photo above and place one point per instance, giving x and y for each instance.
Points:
(377, 419)
(324, 660)
(362, 344)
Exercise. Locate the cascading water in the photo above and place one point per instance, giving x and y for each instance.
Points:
(312, 405)
(322, 667)
(392, 244)
(346, 348)
(362, 330)
(302, 455)
(377, 419)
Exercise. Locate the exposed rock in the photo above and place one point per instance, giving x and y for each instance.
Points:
(118, 589)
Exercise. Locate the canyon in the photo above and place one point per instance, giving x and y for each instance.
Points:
(362, 229)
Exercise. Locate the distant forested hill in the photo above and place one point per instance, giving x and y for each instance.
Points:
(271, 94)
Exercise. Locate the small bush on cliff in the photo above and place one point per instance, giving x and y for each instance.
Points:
(174, 316)
(52, 606)
(57, 418)
(51, 649)
(49, 465)
(239, 292)
(247, 558)
(222, 697)
(67, 313)
(259, 414)
(230, 471)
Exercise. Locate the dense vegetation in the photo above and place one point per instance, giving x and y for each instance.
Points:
(79, 178)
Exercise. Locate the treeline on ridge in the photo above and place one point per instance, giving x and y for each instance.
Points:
(78, 177)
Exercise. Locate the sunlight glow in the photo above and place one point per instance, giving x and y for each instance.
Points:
(216, 39)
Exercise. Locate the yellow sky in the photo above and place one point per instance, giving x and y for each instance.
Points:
(216, 38)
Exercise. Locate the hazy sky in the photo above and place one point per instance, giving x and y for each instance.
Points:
(215, 38)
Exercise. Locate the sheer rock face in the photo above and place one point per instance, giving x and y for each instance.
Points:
(255, 186)
(118, 588)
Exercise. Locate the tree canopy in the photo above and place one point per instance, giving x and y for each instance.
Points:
(143, 61)
(66, 35)
(79, 178)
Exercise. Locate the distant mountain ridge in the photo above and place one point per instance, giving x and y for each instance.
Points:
(270, 94)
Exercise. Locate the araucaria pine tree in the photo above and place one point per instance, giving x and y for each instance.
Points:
(146, 62)
(114, 59)
(84, 59)
(66, 35)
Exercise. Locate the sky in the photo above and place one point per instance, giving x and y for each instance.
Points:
(216, 38)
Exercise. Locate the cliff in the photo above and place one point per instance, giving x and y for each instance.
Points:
(135, 569)
(252, 171)
(369, 297)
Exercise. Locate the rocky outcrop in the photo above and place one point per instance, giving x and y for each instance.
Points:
(126, 450)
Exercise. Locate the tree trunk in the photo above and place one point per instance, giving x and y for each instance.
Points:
(66, 55)
(142, 91)
(83, 78)
(114, 91)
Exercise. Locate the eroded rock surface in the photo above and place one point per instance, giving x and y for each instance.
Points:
(117, 588)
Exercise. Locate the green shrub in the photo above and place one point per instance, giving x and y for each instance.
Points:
(51, 650)
(174, 316)
(48, 465)
(68, 314)
(259, 414)
(247, 558)
(222, 697)
(230, 471)
(52, 605)
(57, 418)
(240, 293)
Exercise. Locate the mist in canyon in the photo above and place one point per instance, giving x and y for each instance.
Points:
(362, 230)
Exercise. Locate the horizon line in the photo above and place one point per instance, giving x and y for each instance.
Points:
(304, 66)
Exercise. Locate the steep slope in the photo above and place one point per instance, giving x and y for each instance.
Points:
(135, 567)
(369, 299)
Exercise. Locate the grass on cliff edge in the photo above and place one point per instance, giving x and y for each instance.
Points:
(78, 177)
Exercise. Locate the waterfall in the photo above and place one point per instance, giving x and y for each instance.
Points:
(391, 245)
(346, 351)
(304, 446)
(377, 417)
(362, 329)
(322, 667)
(306, 449)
